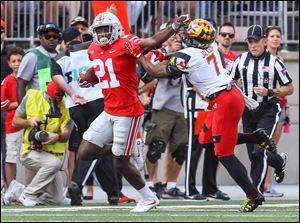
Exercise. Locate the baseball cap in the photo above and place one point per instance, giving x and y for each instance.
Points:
(53, 91)
(2, 24)
(70, 33)
(46, 27)
(79, 19)
(255, 32)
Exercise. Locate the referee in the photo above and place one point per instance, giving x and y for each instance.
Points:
(264, 78)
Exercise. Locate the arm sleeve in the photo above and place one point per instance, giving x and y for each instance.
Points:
(281, 73)
(235, 72)
(28, 67)
(178, 64)
(21, 110)
(4, 99)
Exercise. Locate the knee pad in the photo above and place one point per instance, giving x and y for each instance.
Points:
(155, 149)
(179, 155)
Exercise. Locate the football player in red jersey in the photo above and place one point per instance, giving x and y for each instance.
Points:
(123, 111)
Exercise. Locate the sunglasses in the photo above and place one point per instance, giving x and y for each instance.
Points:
(231, 35)
(47, 36)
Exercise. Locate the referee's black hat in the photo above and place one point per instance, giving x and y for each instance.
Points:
(255, 32)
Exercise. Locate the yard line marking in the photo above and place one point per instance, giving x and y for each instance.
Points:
(47, 209)
(156, 215)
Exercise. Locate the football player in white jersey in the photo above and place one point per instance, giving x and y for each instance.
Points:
(200, 63)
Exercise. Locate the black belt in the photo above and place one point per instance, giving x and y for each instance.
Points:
(216, 94)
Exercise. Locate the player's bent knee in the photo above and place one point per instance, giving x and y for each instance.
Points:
(88, 151)
(179, 155)
(155, 149)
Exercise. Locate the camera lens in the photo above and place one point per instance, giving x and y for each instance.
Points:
(41, 136)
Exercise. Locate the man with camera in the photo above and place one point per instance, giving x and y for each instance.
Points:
(47, 127)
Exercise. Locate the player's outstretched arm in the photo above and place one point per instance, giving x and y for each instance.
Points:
(160, 37)
(159, 70)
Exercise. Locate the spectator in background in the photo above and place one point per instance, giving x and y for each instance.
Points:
(225, 39)
(5, 70)
(274, 36)
(81, 24)
(42, 152)
(34, 71)
(10, 104)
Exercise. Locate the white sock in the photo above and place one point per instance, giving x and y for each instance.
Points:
(149, 184)
(146, 193)
(171, 185)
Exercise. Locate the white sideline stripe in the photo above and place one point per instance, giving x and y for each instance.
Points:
(47, 209)
(159, 215)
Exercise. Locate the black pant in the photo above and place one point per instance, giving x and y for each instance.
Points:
(83, 116)
(263, 117)
(209, 185)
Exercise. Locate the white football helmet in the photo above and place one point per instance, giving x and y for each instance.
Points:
(114, 26)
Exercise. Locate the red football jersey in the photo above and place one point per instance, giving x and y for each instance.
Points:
(9, 95)
(118, 78)
(229, 60)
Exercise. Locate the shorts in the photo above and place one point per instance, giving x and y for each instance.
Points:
(120, 130)
(74, 140)
(168, 126)
(221, 124)
(13, 145)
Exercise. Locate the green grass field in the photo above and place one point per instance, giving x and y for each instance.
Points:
(168, 211)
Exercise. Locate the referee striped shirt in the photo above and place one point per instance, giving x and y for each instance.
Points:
(267, 71)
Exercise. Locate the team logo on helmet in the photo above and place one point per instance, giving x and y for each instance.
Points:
(200, 33)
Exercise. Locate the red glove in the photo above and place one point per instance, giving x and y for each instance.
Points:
(133, 48)
(181, 21)
(160, 55)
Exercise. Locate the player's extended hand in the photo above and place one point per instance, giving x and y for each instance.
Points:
(78, 98)
(160, 55)
(133, 48)
(181, 22)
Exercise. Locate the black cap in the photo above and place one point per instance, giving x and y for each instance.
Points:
(255, 32)
(70, 33)
(79, 19)
(47, 27)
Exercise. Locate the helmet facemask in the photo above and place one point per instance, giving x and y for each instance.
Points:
(106, 29)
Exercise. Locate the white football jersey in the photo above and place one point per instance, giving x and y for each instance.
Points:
(203, 68)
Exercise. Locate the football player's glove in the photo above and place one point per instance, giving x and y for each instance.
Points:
(133, 48)
(181, 22)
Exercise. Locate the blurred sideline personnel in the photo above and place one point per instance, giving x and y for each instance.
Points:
(85, 105)
(9, 103)
(167, 127)
(225, 40)
(260, 74)
(200, 63)
(274, 37)
(123, 111)
(34, 71)
(47, 127)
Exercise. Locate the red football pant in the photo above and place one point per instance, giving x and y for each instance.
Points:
(221, 124)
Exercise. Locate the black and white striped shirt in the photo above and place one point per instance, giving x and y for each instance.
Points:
(267, 70)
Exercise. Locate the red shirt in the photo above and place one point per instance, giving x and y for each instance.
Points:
(118, 78)
(9, 95)
(229, 60)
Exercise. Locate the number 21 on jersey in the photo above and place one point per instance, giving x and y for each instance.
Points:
(101, 72)
(212, 58)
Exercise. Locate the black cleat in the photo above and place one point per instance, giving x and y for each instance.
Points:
(218, 195)
(173, 193)
(265, 140)
(279, 175)
(251, 204)
(75, 194)
(195, 197)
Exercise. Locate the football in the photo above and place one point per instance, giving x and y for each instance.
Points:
(89, 76)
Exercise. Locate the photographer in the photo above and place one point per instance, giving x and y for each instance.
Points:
(47, 126)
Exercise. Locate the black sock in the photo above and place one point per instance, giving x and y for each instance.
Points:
(239, 173)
